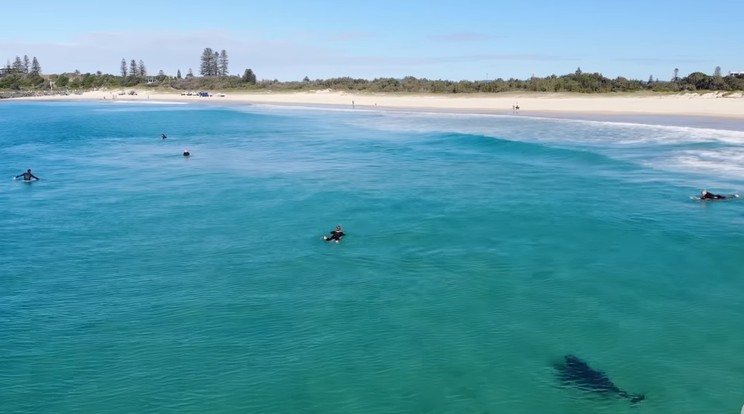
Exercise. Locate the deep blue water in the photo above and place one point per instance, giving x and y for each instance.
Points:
(479, 251)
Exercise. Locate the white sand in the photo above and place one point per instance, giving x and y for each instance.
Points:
(690, 104)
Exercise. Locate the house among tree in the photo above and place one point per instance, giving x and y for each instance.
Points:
(151, 81)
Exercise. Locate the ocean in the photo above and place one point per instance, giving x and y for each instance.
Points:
(479, 251)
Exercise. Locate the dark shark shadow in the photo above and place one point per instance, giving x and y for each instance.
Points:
(576, 373)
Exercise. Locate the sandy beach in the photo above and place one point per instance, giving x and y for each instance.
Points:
(689, 104)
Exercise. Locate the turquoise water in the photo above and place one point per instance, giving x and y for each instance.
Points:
(479, 251)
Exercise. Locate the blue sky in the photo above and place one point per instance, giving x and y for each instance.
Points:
(456, 40)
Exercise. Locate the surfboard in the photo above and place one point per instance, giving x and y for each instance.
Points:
(728, 197)
(23, 181)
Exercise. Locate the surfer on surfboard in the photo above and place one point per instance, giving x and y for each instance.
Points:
(27, 176)
(705, 195)
(335, 235)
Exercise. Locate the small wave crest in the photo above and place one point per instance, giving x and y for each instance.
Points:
(689, 149)
(722, 163)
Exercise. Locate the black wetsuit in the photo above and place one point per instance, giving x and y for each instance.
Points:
(27, 176)
(335, 235)
(711, 196)
(186, 154)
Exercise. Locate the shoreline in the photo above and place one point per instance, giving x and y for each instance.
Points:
(690, 109)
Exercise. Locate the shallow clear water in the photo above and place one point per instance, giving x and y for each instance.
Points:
(479, 251)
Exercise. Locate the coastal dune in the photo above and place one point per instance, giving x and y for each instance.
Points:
(688, 104)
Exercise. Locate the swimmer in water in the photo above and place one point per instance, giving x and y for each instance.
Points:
(704, 195)
(27, 176)
(335, 235)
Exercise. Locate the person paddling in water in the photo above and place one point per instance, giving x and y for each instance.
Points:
(335, 235)
(705, 195)
(162, 136)
(27, 176)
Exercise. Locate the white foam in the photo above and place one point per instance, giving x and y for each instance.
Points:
(715, 153)
(552, 129)
(148, 102)
(512, 127)
(719, 164)
(134, 106)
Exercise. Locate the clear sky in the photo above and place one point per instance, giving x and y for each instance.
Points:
(436, 39)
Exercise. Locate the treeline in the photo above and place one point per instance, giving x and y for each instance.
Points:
(132, 74)
(25, 74)
(98, 80)
(214, 63)
(214, 68)
(23, 66)
(577, 82)
(22, 71)
(582, 83)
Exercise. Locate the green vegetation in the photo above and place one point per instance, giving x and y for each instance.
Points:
(581, 83)
(24, 75)
(214, 63)
(577, 82)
